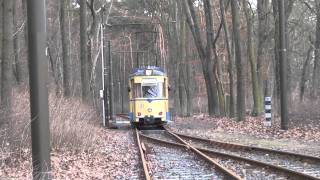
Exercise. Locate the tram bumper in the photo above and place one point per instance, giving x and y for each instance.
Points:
(150, 120)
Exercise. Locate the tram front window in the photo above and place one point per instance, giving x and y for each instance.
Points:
(152, 90)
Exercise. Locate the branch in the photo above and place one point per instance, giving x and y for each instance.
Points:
(308, 6)
(218, 33)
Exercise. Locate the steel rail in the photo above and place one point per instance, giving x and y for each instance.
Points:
(207, 158)
(295, 174)
(260, 163)
(143, 160)
(123, 115)
(231, 145)
(245, 147)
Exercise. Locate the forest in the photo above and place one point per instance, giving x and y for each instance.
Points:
(222, 58)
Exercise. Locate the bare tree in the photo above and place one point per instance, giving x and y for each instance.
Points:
(304, 73)
(263, 34)
(241, 103)
(256, 88)
(316, 68)
(83, 50)
(1, 35)
(182, 68)
(16, 45)
(230, 57)
(204, 51)
(65, 50)
(6, 64)
(288, 8)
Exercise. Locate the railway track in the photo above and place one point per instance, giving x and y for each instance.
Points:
(169, 161)
(298, 165)
(233, 160)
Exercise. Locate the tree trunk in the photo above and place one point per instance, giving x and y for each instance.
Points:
(263, 30)
(25, 30)
(287, 12)
(83, 50)
(230, 63)
(182, 92)
(189, 78)
(256, 89)
(283, 66)
(1, 36)
(212, 62)
(276, 64)
(304, 73)
(172, 35)
(205, 54)
(6, 64)
(65, 50)
(220, 91)
(111, 84)
(316, 68)
(182, 71)
(53, 70)
(16, 48)
(241, 104)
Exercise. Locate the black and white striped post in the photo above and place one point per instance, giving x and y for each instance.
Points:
(267, 110)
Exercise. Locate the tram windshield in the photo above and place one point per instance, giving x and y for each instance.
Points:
(148, 90)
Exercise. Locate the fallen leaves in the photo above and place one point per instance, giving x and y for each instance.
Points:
(114, 158)
(253, 126)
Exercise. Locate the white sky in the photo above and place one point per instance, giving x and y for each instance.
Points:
(253, 3)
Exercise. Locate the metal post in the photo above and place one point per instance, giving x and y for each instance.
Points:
(110, 83)
(119, 84)
(38, 89)
(283, 67)
(124, 84)
(137, 60)
(267, 105)
(122, 78)
(102, 79)
(105, 77)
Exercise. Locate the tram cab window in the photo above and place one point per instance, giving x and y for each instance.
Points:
(148, 90)
(152, 90)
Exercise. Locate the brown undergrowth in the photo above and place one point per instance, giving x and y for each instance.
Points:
(73, 127)
(80, 148)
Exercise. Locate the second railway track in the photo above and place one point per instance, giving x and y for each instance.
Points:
(230, 161)
(298, 165)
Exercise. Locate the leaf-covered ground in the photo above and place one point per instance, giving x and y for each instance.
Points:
(114, 154)
(114, 158)
(81, 148)
(304, 138)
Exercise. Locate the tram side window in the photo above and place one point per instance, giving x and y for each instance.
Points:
(137, 90)
(160, 87)
(165, 88)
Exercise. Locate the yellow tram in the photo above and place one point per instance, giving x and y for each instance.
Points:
(148, 94)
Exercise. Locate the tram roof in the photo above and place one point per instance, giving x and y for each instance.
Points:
(148, 71)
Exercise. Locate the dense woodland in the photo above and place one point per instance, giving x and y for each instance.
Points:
(222, 56)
